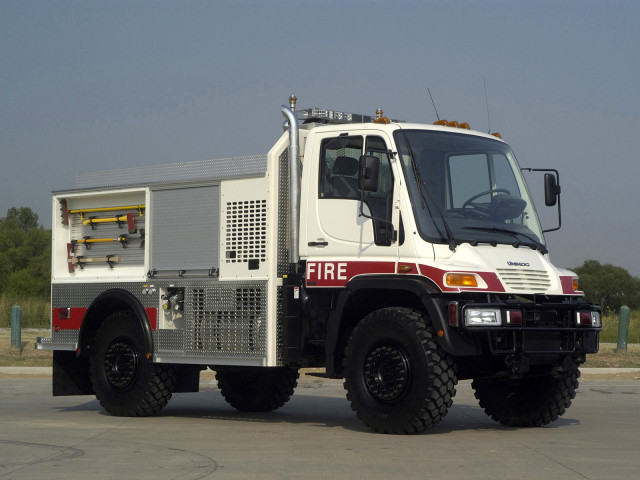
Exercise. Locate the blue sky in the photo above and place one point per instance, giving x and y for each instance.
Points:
(88, 85)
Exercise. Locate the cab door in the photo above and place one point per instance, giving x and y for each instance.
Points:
(346, 236)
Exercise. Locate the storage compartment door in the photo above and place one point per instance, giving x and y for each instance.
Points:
(185, 231)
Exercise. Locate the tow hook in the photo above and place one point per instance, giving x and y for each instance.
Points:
(518, 364)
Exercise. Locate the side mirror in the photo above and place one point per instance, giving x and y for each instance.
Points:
(551, 190)
(368, 173)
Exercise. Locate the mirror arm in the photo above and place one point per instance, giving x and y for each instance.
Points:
(556, 191)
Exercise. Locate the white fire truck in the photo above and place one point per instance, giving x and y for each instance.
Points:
(401, 257)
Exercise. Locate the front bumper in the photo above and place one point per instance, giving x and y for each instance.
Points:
(534, 327)
(524, 335)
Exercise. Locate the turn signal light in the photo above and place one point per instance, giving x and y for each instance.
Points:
(383, 120)
(575, 284)
(461, 280)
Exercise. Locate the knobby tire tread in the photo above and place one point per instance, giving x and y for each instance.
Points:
(414, 414)
(528, 402)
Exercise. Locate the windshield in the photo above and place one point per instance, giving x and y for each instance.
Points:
(465, 188)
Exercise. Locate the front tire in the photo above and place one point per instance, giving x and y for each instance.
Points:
(256, 389)
(530, 401)
(398, 379)
(125, 380)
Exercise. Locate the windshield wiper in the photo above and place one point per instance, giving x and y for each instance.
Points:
(423, 201)
(535, 245)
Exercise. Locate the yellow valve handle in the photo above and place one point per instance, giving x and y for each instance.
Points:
(89, 221)
(107, 209)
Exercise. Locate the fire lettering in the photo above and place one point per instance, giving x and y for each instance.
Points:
(327, 271)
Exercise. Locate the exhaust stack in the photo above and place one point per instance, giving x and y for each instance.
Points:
(294, 180)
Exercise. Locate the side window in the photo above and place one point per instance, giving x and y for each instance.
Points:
(339, 162)
(338, 178)
(380, 202)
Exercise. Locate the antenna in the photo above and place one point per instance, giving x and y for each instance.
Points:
(486, 102)
(434, 104)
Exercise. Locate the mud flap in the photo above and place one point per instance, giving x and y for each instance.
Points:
(70, 374)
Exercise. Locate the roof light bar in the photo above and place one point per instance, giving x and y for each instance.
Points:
(321, 115)
(452, 124)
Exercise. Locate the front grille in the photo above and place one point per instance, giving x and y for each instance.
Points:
(525, 280)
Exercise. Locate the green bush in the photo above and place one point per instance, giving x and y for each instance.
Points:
(25, 255)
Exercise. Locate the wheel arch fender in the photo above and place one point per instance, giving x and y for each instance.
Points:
(405, 290)
(105, 304)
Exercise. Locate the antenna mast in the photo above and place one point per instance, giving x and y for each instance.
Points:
(486, 102)
(434, 104)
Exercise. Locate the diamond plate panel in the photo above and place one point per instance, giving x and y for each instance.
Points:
(222, 321)
(284, 267)
(173, 340)
(235, 325)
(82, 294)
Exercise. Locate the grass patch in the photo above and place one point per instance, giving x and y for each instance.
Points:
(36, 311)
(610, 328)
(608, 357)
(27, 356)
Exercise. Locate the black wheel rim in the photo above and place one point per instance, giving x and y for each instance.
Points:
(387, 372)
(121, 364)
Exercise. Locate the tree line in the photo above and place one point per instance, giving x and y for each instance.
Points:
(25, 255)
(608, 285)
(25, 266)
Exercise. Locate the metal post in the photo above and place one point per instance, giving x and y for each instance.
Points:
(623, 329)
(16, 327)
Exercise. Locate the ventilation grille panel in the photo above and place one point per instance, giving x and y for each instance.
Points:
(518, 279)
(246, 232)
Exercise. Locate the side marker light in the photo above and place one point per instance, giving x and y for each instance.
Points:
(461, 280)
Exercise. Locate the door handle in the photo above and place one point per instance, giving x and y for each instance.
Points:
(318, 244)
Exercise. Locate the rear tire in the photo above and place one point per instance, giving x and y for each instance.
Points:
(256, 389)
(527, 402)
(125, 380)
(397, 378)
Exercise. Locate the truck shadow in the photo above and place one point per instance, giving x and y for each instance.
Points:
(311, 410)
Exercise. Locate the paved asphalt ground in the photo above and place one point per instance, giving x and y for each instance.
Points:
(316, 435)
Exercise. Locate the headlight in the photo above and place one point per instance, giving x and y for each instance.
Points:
(481, 317)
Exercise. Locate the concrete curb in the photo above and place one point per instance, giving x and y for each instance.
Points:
(605, 371)
(25, 370)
